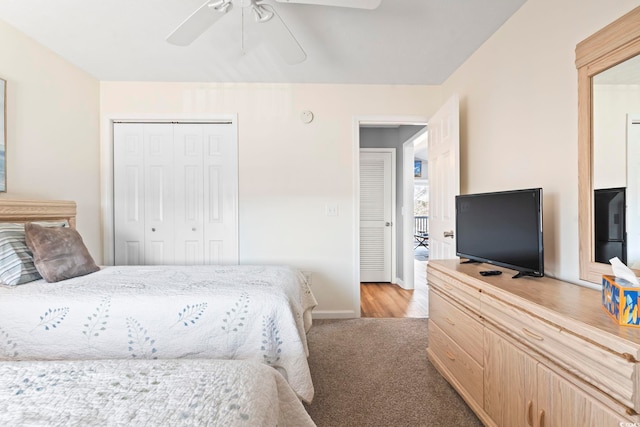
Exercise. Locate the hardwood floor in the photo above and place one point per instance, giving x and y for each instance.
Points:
(390, 300)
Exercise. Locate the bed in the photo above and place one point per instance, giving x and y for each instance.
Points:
(147, 392)
(259, 313)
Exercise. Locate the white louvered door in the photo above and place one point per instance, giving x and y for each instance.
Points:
(375, 216)
(175, 193)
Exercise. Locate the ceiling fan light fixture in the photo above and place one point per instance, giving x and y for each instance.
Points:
(261, 14)
(221, 5)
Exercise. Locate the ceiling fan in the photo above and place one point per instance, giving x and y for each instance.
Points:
(272, 26)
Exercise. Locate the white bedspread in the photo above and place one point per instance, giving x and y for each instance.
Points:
(165, 312)
(147, 393)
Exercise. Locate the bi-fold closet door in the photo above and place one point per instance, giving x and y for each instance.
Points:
(175, 193)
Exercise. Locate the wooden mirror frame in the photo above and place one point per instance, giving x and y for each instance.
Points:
(610, 46)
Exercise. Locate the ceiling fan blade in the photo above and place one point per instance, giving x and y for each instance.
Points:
(281, 38)
(198, 22)
(356, 4)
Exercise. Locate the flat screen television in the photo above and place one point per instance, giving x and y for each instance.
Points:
(502, 228)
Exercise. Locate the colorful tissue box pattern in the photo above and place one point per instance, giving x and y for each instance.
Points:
(620, 300)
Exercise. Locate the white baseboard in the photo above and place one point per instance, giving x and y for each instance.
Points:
(334, 314)
(398, 281)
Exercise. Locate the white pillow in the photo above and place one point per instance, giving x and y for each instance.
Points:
(16, 260)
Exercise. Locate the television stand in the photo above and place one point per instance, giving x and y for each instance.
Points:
(542, 353)
(525, 273)
(471, 261)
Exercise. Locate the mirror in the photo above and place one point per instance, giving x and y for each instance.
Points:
(609, 142)
(616, 162)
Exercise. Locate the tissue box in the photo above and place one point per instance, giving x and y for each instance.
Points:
(620, 300)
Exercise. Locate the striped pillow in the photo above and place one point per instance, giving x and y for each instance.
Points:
(16, 260)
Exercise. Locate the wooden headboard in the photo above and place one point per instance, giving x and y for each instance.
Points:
(12, 210)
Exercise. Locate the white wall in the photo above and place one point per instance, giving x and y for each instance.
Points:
(52, 130)
(519, 118)
(289, 171)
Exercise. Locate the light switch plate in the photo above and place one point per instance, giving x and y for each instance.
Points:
(331, 209)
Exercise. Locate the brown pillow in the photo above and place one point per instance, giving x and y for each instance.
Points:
(58, 253)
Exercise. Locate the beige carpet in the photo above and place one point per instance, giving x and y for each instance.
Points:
(375, 372)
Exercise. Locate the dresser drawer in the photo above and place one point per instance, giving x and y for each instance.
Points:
(592, 363)
(453, 288)
(455, 360)
(464, 329)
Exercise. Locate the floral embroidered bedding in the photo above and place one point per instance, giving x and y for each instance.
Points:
(259, 313)
(196, 392)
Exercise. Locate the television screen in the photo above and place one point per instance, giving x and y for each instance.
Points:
(502, 228)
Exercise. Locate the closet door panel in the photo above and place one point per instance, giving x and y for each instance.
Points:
(159, 194)
(189, 218)
(129, 215)
(220, 195)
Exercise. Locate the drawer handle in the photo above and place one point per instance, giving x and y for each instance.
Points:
(541, 418)
(529, 413)
(449, 321)
(532, 335)
(450, 356)
(448, 287)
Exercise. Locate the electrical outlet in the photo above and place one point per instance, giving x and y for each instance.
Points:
(307, 277)
(331, 209)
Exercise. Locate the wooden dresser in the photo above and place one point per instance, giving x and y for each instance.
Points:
(534, 352)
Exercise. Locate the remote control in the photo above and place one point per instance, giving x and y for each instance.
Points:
(490, 272)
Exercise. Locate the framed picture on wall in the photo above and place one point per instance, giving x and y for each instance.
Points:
(3, 135)
(417, 168)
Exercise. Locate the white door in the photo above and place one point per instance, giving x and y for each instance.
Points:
(189, 194)
(175, 193)
(143, 202)
(220, 159)
(375, 216)
(128, 203)
(159, 194)
(444, 179)
(633, 191)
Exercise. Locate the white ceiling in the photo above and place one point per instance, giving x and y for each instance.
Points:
(401, 42)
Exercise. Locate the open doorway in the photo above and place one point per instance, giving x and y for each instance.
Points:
(420, 209)
(395, 297)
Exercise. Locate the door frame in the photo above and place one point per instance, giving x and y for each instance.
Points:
(408, 185)
(355, 150)
(632, 129)
(106, 166)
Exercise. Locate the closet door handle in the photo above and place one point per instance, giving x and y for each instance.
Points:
(529, 413)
